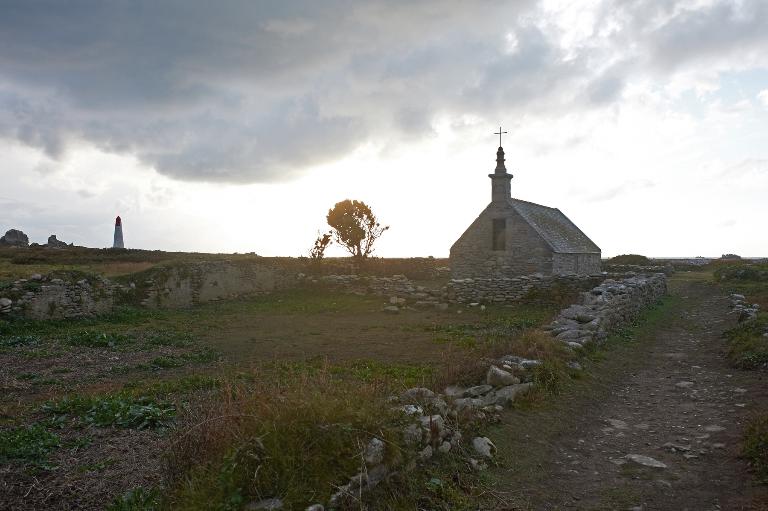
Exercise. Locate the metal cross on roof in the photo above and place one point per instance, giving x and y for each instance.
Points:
(499, 133)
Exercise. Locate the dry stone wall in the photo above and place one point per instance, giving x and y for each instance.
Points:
(50, 297)
(513, 289)
(607, 307)
(47, 297)
(193, 284)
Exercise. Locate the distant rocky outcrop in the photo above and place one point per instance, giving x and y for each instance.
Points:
(14, 238)
(55, 243)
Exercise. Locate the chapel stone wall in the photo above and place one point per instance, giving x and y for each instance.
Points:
(526, 253)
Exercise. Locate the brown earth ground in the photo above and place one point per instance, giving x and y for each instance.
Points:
(669, 395)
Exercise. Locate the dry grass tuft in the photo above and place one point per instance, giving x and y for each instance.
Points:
(295, 440)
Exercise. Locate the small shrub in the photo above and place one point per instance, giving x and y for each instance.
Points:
(137, 499)
(30, 444)
(747, 347)
(755, 448)
(741, 272)
(16, 341)
(631, 259)
(117, 410)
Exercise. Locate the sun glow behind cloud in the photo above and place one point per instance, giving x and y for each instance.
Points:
(649, 137)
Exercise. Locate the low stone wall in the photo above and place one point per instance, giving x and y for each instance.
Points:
(607, 307)
(46, 297)
(49, 297)
(508, 290)
(193, 284)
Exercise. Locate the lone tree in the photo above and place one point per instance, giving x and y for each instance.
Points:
(355, 227)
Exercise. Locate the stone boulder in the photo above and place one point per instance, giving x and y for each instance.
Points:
(55, 243)
(14, 238)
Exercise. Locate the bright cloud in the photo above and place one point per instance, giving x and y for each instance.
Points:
(235, 127)
(762, 96)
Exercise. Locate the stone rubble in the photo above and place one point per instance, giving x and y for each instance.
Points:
(745, 311)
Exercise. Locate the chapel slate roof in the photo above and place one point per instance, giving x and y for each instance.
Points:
(555, 228)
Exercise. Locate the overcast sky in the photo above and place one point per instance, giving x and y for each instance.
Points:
(235, 125)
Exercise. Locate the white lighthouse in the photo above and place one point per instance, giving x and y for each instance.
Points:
(118, 234)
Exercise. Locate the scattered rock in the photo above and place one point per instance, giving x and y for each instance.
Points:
(617, 423)
(483, 446)
(412, 434)
(420, 394)
(477, 390)
(478, 465)
(500, 378)
(391, 309)
(425, 453)
(677, 447)
(374, 452)
(266, 504)
(684, 384)
(507, 395)
(645, 461)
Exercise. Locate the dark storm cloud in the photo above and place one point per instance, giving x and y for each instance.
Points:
(258, 91)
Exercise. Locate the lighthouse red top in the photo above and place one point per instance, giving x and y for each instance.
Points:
(118, 221)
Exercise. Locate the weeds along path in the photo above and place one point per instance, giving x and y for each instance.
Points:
(668, 395)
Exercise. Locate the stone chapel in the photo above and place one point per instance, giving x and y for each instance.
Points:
(513, 237)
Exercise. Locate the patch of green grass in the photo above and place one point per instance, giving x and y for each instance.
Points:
(406, 375)
(198, 356)
(755, 446)
(497, 325)
(29, 444)
(185, 384)
(394, 375)
(747, 344)
(137, 499)
(165, 362)
(15, 341)
(92, 339)
(140, 340)
(113, 410)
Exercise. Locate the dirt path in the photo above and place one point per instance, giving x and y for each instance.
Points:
(670, 396)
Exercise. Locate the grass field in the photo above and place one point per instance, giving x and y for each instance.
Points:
(104, 403)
